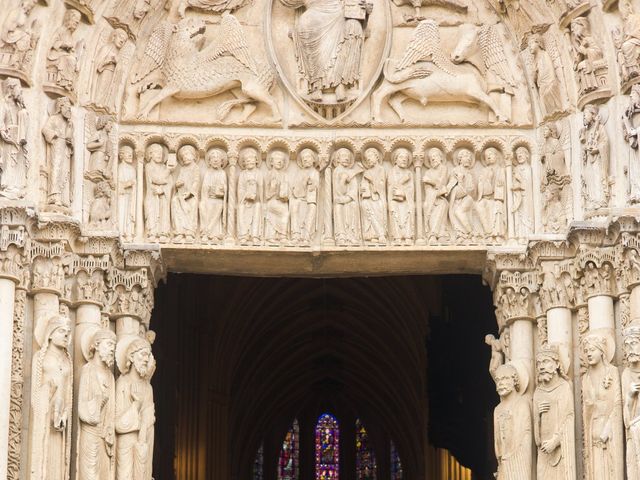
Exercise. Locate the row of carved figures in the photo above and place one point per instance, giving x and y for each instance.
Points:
(345, 201)
(116, 418)
(610, 412)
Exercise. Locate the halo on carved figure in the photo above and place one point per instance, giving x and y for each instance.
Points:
(125, 346)
(188, 147)
(303, 150)
(90, 336)
(492, 149)
(278, 151)
(460, 151)
(225, 156)
(571, 14)
(399, 151)
(373, 22)
(248, 150)
(335, 156)
(43, 329)
(602, 339)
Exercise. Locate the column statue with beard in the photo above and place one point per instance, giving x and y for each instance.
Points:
(512, 425)
(96, 407)
(631, 399)
(135, 410)
(554, 418)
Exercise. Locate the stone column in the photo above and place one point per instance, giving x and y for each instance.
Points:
(10, 275)
(556, 302)
(418, 160)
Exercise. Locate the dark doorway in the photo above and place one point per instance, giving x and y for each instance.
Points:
(240, 358)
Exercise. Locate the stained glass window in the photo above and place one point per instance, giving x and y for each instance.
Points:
(365, 458)
(258, 464)
(288, 463)
(396, 464)
(327, 448)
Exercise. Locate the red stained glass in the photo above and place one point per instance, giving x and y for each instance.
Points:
(327, 448)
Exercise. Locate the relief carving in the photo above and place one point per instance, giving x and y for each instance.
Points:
(522, 194)
(627, 43)
(176, 64)
(436, 201)
(58, 136)
(525, 16)
(96, 407)
(134, 410)
(426, 74)
(213, 197)
(250, 198)
(553, 418)
(14, 155)
(630, 123)
(602, 412)
(346, 210)
(462, 190)
(328, 38)
(596, 184)
(545, 77)
(107, 72)
(631, 399)
(184, 204)
(127, 193)
(130, 15)
(556, 181)
(401, 198)
(491, 203)
(212, 6)
(512, 425)
(276, 193)
(157, 201)
(99, 173)
(63, 58)
(19, 38)
(304, 198)
(373, 198)
(592, 69)
(51, 401)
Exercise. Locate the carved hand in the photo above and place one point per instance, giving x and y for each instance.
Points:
(543, 407)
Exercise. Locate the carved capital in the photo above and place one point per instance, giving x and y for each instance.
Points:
(12, 243)
(557, 288)
(130, 294)
(514, 297)
(50, 267)
(89, 272)
(597, 267)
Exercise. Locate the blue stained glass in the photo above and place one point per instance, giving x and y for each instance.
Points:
(327, 448)
(366, 468)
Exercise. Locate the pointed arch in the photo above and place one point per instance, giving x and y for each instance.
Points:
(366, 466)
(327, 435)
(289, 459)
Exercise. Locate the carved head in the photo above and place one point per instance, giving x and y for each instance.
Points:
(580, 28)
(631, 337)
(435, 157)
(371, 157)
(155, 153)
(465, 157)
(507, 380)
(104, 122)
(28, 5)
(548, 363)
(217, 158)
(467, 42)
(119, 38)
(12, 89)
(535, 43)
(307, 158)
(71, 20)
(249, 158)
(104, 343)
(522, 155)
(187, 155)
(594, 348)
(58, 331)
(550, 130)
(402, 157)
(590, 114)
(126, 154)
(491, 156)
(277, 159)
(63, 107)
(344, 157)
(141, 9)
(139, 355)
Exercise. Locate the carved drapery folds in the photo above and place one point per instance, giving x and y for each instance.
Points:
(371, 192)
(19, 36)
(62, 65)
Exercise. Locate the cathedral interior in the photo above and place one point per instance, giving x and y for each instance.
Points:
(243, 358)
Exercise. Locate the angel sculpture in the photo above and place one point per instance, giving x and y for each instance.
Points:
(212, 6)
(426, 74)
(176, 65)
